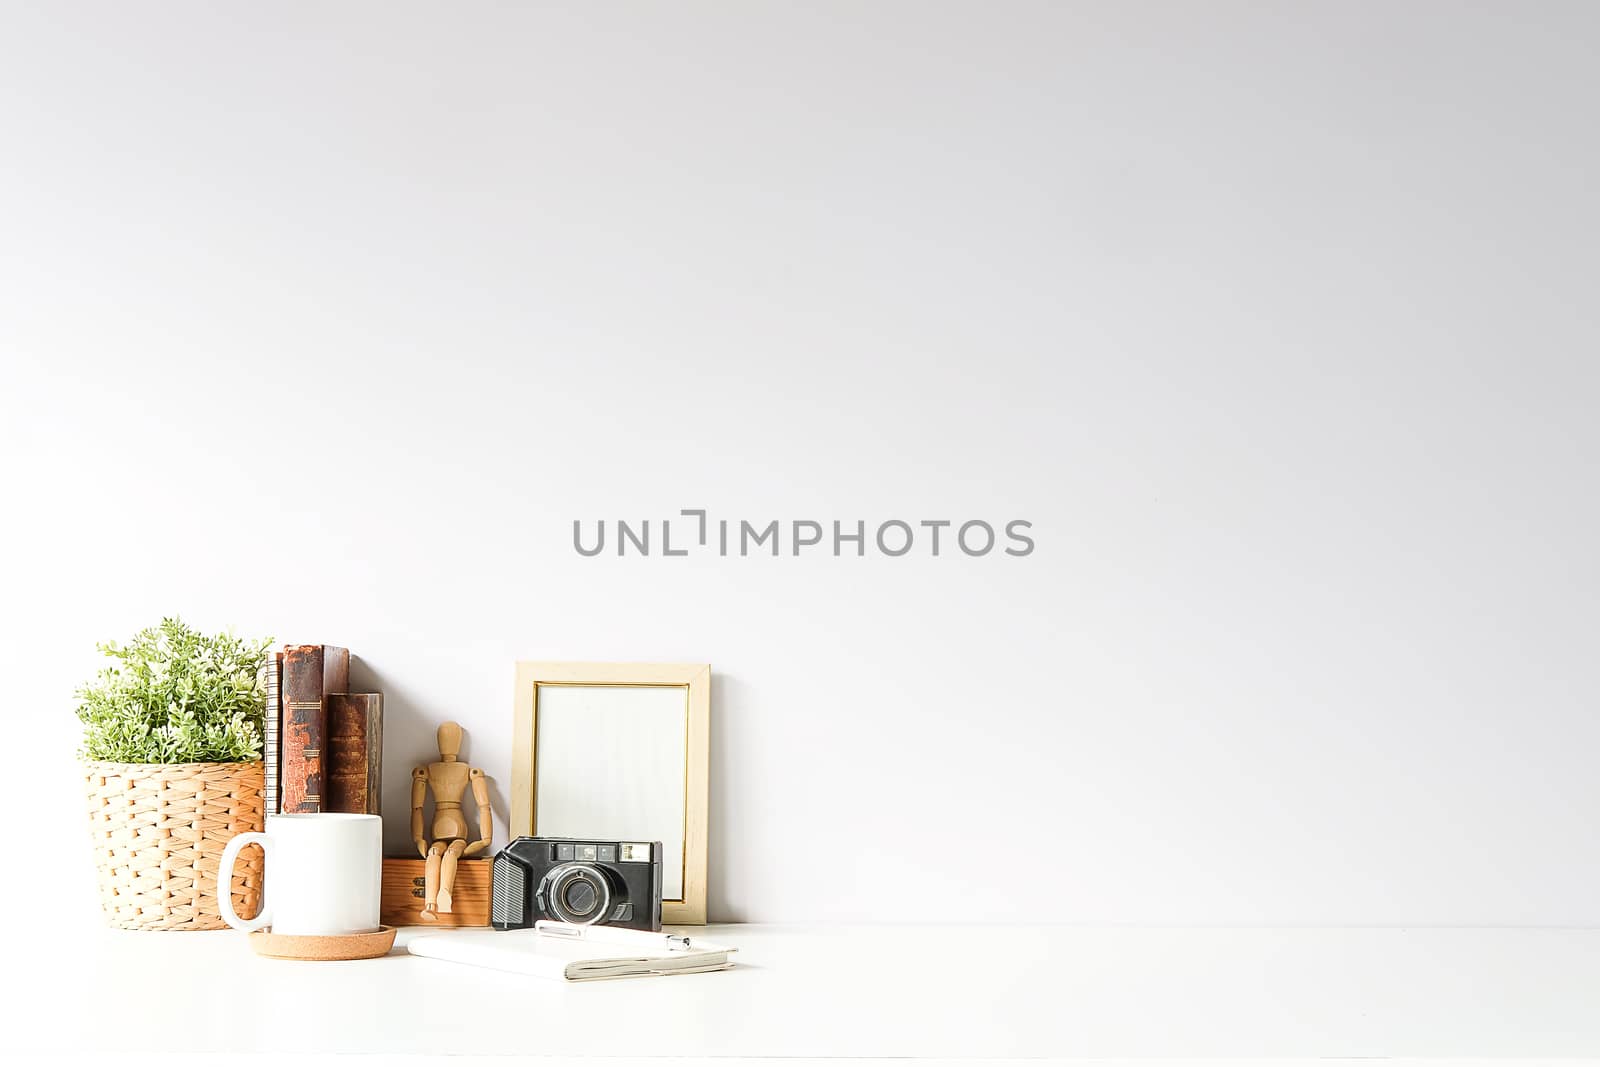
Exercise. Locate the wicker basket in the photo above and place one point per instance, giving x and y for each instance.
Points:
(159, 830)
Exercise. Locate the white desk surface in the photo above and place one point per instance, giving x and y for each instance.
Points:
(801, 991)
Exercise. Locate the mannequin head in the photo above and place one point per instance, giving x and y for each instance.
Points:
(449, 742)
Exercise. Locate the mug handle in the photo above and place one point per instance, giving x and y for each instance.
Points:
(225, 882)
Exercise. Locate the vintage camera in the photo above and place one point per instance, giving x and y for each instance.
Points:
(576, 880)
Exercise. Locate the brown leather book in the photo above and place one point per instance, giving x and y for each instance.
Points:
(353, 767)
(311, 673)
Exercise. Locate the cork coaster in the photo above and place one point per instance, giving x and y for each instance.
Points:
(325, 947)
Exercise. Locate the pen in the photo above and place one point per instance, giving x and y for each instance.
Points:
(638, 939)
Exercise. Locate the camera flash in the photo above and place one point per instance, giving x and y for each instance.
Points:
(635, 853)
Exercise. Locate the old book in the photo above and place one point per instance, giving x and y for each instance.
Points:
(353, 767)
(272, 731)
(403, 889)
(311, 673)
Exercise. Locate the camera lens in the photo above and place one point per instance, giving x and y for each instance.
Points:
(578, 893)
(580, 897)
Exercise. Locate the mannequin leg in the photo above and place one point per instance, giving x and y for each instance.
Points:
(447, 875)
(430, 887)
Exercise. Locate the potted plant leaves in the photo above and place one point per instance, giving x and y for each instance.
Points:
(172, 758)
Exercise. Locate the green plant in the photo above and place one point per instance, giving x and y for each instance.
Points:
(175, 695)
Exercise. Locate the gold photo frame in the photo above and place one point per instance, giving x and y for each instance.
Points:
(618, 750)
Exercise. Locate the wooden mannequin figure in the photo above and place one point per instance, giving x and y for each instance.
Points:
(449, 780)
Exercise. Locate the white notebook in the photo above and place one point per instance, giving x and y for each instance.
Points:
(575, 953)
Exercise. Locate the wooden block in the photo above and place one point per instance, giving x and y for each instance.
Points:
(400, 903)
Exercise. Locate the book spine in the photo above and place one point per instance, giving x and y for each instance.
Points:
(354, 761)
(271, 730)
(304, 729)
(375, 756)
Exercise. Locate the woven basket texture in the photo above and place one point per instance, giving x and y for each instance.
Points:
(159, 830)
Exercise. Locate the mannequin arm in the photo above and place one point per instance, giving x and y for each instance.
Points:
(419, 792)
(480, 793)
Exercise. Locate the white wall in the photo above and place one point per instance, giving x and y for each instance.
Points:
(1278, 321)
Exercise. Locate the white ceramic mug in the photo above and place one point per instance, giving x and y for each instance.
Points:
(323, 874)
